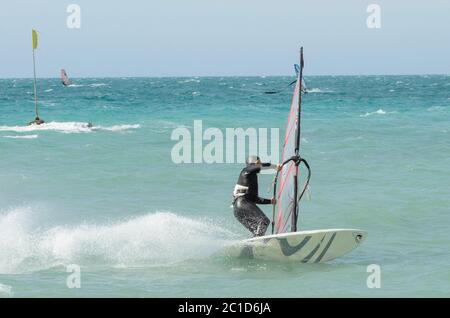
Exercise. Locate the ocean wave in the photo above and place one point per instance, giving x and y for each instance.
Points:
(318, 90)
(436, 108)
(377, 112)
(67, 127)
(48, 90)
(22, 137)
(117, 127)
(98, 84)
(191, 80)
(163, 126)
(75, 85)
(47, 103)
(160, 238)
(5, 291)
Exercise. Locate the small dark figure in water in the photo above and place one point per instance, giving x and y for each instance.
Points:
(246, 197)
(36, 121)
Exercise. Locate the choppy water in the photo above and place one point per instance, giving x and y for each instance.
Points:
(109, 198)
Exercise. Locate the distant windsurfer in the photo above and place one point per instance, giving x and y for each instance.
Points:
(36, 121)
(245, 197)
(64, 78)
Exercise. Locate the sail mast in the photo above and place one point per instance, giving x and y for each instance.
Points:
(297, 146)
(34, 43)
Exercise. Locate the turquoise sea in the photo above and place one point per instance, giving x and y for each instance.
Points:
(109, 198)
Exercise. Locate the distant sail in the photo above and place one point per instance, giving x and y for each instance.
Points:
(64, 78)
(297, 69)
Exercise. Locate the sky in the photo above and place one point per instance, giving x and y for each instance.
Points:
(224, 37)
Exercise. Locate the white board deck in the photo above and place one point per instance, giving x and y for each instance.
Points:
(316, 246)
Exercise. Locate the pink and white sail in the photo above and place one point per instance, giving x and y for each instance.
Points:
(64, 78)
(287, 176)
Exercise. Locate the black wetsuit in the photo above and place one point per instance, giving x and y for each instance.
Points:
(246, 198)
(37, 121)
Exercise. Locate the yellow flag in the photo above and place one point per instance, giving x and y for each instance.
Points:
(34, 39)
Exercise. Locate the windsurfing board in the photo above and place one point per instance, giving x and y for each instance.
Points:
(317, 246)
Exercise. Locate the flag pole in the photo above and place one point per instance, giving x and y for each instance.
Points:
(35, 91)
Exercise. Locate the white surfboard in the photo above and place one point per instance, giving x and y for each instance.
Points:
(316, 246)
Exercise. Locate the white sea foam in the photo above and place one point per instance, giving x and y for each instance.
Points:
(318, 90)
(75, 85)
(49, 90)
(5, 291)
(378, 112)
(117, 127)
(98, 85)
(191, 80)
(159, 238)
(67, 127)
(22, 137)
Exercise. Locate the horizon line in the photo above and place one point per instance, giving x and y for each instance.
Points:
(214, 76)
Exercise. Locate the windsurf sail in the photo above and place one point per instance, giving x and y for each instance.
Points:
(64, 78)
(296, 68)
(286, 181)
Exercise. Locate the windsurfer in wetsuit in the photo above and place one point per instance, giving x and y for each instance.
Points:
(36, 121)
(246, 197)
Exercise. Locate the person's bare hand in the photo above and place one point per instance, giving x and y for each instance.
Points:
(274, 201)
